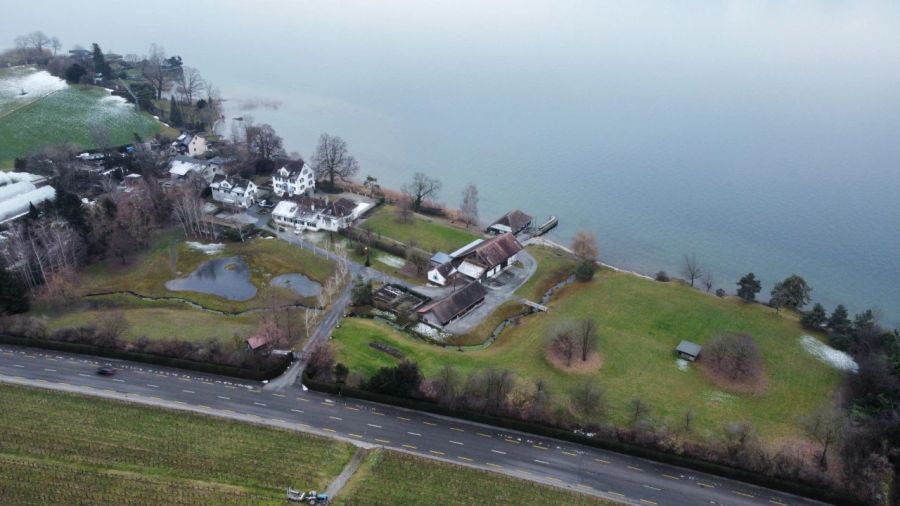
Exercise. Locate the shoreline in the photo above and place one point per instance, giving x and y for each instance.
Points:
(540, 241)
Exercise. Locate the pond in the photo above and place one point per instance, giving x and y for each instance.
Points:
(228, 278)
(300, 284)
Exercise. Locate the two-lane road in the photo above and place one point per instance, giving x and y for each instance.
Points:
(588, 470)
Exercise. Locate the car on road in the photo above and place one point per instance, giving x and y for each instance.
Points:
(106, 370)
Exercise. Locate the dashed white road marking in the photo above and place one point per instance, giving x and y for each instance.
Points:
(651, 487)
(457, 443)
(224, 398)
(49, 370)
(542, 462)
(118, 380)
(297, 411)
(414, 434)
(18, 365)
(373, 425)
(189, 391)
(152, 386)
(260, 404)
(498, 451)
(336, 418)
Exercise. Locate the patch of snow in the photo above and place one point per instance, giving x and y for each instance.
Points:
(827, 354)
(430, 332)
(391, 260)
(209, 249)
(114, 101)
(34, 84)
(682, 364)
(717, 397)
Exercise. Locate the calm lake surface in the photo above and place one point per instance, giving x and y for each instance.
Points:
(300, 284)
(760, 136)
(228, 278)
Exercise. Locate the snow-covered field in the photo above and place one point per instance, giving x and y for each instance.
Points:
(827, 354)
(209, 249)
(22, 85)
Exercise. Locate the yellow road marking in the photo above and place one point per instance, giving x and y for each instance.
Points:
(570, 454)
(494, 465)
(351, 409)
(354, 435)
(742, 493)
(778, 503)
(554, 478)
(513, 441)
(456, 429)
(329, 430)
(647, 501)
(385, 441)
(278, 395)
(377, 413)
(540, 447)
(465, 458)
(436, 452)
(411, 447)
(404, 419)
(610, 492)
(635, 468)
(602, 461)
(483, 435)
(669, 476)
(706, 485)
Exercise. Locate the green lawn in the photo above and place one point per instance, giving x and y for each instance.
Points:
(395, 478)
(157, 320)
(426, 233)
(45, 117)
(553, 266)
(59, 448)
(640, 322)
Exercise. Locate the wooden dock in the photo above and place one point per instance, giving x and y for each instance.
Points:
(548, 225)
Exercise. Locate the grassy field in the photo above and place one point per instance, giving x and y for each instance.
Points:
(52, 112)
(553, 266)
(426, 233)
(149, 271)
(395, 478)
(157, 320)
(640, 322)
(267, 258)
(64, 449)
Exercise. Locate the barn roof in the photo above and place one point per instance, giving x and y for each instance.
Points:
(456, 304)
(515, 220)
(493, 251)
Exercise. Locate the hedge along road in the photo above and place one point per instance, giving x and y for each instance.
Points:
(605, 474)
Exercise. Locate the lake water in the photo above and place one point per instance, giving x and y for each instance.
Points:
(228, 278)
(300, 284)
(760, 136)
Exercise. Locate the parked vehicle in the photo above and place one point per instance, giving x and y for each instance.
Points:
(311, 497)
(106, 370)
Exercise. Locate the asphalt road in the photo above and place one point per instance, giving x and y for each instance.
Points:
(614, 476)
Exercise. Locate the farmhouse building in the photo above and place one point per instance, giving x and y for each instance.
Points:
(293, 179)
(18, 191)
(233, 191)
(488, 258)
(460, 302)
(192, 145)
(513, 221)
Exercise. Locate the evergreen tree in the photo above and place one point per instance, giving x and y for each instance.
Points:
(839, 321)
(864, 320)
(13, 293)
(815, 318)
(68, 206)
(175, 113)
(748, 287)
(100, 65)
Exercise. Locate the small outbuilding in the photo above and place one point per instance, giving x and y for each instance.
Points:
(688, 350)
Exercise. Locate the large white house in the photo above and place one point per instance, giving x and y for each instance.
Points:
(293, 179)
(310, 213)
(193, 145)
(233, 191)
(479, 260)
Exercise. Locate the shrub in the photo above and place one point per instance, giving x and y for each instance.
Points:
(720, 292)
(662, 277)
(585, 271)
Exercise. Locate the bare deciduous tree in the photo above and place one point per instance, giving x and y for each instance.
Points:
(154, 70)
(263, 142)
(584, 245)
(190, 84)
(826, 425)
(564, 345)
(588, 398)
(586, 336)
(733, 355)
(55, 44)
(639, 410)
(468, 210)
(332, 160)
(421, 188)
(691, 269)
(708, 281)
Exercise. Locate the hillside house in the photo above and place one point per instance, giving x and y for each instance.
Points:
(458, 304)
(293, 179)
(192, 145)
(233, 191)
(512, 222)
(311, 213)
(182, 166)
